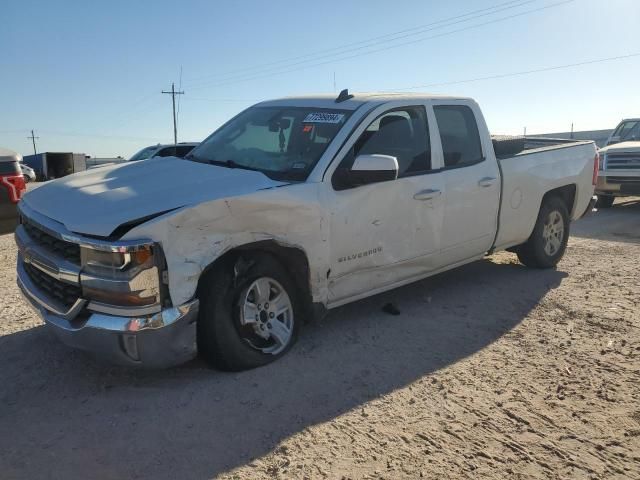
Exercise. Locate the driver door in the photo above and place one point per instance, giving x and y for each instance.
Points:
(386, 233)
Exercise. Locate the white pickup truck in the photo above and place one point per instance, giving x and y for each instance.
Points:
(620, 164)
(293, 207)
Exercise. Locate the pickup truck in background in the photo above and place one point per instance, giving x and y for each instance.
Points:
(620, 164)
(292, 207)
(12, 187)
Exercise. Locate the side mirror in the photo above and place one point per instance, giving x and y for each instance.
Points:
(368, 169)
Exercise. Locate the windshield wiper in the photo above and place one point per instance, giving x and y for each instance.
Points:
(232, 164)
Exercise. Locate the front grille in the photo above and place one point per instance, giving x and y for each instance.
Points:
(67, 250)
(622, 161)
(62, 292)
(621, 180)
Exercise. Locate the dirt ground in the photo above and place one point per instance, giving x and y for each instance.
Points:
(490, 371)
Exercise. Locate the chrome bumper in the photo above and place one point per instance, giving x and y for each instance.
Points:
(159, 340)
(618, 183)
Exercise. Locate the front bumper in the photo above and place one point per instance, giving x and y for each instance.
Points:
(159, 340)
(618, 183)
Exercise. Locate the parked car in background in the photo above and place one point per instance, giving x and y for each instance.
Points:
(628, 130)
(28, 172)
(620, 164)
(12, 186)
(180, 150)
(293, 207)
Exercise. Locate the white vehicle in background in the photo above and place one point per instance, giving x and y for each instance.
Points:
(28, 173)
(620, 164)
(180, 150)
(293, 207)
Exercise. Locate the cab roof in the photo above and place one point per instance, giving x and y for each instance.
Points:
(354, 101)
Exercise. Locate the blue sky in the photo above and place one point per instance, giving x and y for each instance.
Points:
(87, 76)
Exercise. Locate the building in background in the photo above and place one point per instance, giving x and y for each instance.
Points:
(93, 162)
(598, 136)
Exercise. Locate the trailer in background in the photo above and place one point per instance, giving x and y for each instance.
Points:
(50, 165)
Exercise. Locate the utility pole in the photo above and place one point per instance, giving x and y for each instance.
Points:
(33, 139)
(173, 100)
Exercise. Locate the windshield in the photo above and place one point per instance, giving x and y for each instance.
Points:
(627, 131)
(284, 143)
(143, 154)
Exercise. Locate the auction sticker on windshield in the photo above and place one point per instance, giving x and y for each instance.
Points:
(323, 117)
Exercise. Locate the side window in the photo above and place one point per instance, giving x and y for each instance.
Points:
(182, 151)
(166, 152)
(459, 135)
(401, 133)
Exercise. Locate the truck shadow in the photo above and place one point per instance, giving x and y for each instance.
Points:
(65, 414)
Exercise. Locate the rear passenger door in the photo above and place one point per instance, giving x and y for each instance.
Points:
(472, 183)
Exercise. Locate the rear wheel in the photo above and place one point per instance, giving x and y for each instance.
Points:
(605, 201)
(548, 242)
(249, 313)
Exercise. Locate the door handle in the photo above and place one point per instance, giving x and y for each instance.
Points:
(428, 194)
(486, 181)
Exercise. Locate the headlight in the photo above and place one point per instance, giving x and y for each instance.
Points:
(603, 156)
(112, 281)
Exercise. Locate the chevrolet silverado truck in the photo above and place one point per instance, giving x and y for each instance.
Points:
(620, 164)
(291, 208)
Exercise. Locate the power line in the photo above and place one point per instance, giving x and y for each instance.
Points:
(370, 52)
(388, 37)
(515, 74)
(33, 139)
(173, 94)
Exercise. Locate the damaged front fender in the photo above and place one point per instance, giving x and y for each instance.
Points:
(194, 237)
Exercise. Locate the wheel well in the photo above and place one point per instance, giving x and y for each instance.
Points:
(567, 194)
(292, 258)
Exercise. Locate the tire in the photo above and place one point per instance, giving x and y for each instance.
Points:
(605, 201)
(541, 250)
(227, 294)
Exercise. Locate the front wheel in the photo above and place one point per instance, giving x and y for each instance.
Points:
(249, 313)
(548, 242)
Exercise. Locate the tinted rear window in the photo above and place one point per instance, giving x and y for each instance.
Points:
(9, 168)
(459, 135)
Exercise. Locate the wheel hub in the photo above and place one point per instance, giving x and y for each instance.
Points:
(266, 316)
(553, 233)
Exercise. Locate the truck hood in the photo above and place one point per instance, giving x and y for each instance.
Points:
(98, 201)
(624, 147)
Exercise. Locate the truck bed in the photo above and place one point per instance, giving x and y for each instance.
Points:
(544, 165)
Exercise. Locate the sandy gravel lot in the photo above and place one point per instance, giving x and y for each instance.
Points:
(490, 371)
